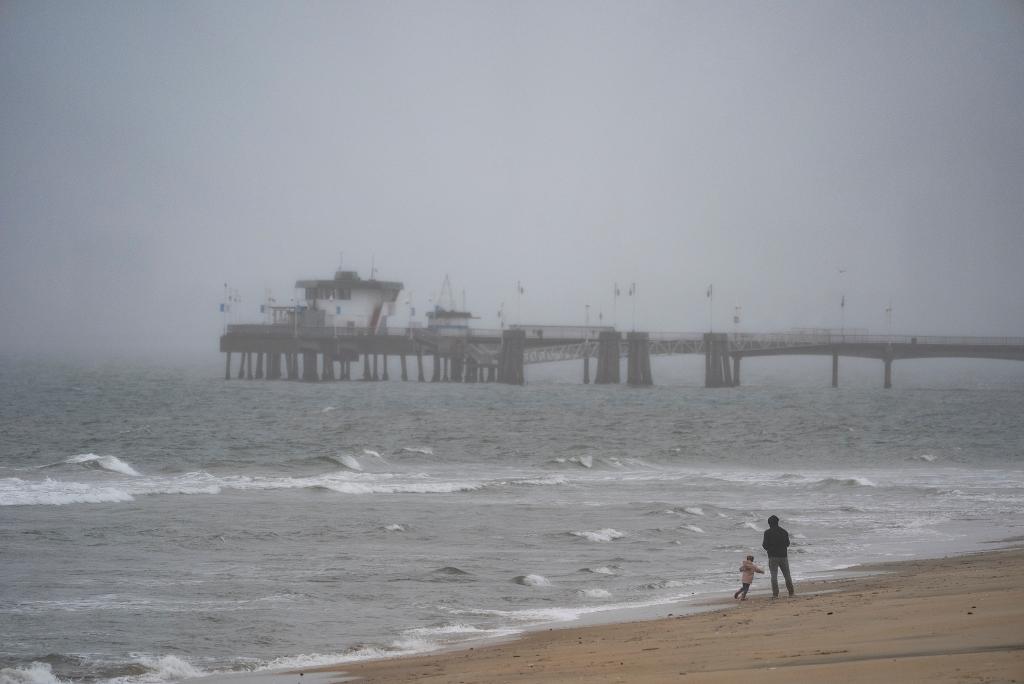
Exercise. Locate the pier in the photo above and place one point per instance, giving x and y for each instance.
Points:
(343, 321)
(320, 353)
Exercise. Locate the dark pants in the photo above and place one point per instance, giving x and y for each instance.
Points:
(774, 565)
(742, 591)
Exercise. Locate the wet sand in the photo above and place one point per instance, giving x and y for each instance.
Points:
(958, 619)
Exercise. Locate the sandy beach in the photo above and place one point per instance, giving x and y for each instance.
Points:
(958, 619)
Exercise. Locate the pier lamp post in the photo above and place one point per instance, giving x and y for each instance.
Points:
(888, 320)
(842, 317)
(615, 306)
(519, 302)
(633, 293)
(225, 305)
(711, 307)
(295, 318)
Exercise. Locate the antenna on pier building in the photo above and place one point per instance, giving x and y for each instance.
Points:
(446, 289)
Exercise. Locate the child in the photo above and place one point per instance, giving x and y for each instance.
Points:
(747, 570)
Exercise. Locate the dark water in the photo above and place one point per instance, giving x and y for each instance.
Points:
(159, 524)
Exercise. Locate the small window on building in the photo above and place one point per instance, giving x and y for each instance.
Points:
(344, 293)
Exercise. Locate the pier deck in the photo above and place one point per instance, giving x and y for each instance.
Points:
(498, 355)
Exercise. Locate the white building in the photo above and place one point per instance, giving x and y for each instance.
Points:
(348, 301)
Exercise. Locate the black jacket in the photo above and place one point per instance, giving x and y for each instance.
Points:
(776, 539)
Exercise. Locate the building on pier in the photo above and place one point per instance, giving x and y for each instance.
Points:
(442, 320)
(347, 301)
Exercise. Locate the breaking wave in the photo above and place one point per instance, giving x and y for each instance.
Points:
(18, 492)
(606, 535)
(109, 463)
(349, 462)
(847, 482)
(532, 580)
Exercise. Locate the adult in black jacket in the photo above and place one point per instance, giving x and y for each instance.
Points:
(776, 541)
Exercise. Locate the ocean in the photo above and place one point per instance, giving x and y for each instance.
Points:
(159, 523)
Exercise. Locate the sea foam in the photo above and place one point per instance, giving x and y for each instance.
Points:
(36, 673)
(18, 492)
(168, 668)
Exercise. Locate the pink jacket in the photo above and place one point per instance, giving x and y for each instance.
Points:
(747, 570)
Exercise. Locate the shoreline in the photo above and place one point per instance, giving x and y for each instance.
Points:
(936, 619)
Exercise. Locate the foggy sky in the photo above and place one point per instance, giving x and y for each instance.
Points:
(151, 152)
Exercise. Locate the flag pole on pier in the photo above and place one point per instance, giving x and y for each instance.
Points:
(615, 305)
(633, 294)
(711, 308)
(519, 302)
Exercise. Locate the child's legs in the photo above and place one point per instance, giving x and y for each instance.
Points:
(743, 590)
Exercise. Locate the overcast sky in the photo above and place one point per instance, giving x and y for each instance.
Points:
(152, 151)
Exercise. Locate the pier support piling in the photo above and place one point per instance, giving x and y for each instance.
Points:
(607, 358)
(405, 373)
(586, 367)
(510, 368)
(366, 368)
(436, 375)
(419, 365)
(309, 373)
(888, 374)
(384, 375)
(716, 360)
(638, 367)
(259, 365)
(835, 368)
(227, 366)
(736, 370)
